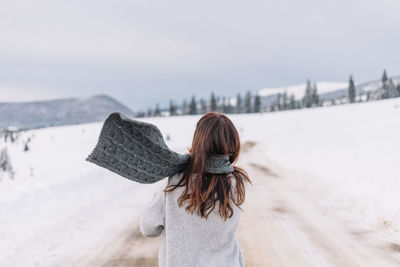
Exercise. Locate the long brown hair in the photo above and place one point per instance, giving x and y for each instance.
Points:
(214, 134)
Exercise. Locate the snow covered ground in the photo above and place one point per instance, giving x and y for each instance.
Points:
(58, 206)
(350, 154)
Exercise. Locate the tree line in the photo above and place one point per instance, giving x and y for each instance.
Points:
(249, 103)
(241, 104)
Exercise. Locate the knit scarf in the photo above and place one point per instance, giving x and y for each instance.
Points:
(218, 164)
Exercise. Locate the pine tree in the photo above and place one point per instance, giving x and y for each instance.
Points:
(193, 106)
(279, 102)
(292, 102)
(284, 101)
(247, 103)
(219, 103)
(5, 164)
(184, 109)
(257, 103)
(315, 96)
(157, 111)
(26, 145)
(384, 77)
(307, 99)
(172, 108)
(213, 103)
(385, 91)
(223, 105)
(203, 106)
(230, 108)
(4, 159)
(238, 104)
(392, 90)
(398, 90)
(352, 90)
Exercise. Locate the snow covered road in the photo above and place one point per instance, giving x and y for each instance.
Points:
(282, 225)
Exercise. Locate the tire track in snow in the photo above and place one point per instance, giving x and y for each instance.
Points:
(284, 226)
(301, 241)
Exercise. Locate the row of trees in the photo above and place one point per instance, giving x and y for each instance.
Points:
(386, 89)
(286, 102)
(16, 137)
(253, 103)
(246, 104)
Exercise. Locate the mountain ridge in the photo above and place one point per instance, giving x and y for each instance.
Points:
(59, 111)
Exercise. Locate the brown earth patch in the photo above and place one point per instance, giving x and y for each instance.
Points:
(280, 209)
(395, 247)
(264, 169)
(135, 250)
(247, 146)
(359, 232)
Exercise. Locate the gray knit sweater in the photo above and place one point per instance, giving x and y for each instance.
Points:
(188, 239)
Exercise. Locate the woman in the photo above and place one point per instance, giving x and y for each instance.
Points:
(199, 210)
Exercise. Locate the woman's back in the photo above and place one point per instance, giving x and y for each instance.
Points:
(199, 215)
(188, 239)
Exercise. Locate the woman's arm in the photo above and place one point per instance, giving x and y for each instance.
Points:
(152, 220)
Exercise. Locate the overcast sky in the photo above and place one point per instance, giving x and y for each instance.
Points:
(144, 52)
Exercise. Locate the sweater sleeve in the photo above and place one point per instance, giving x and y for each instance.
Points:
(152, 220)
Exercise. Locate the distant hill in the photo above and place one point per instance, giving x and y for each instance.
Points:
(64, 111)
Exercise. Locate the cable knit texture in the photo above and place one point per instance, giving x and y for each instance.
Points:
(187, 239)
(136, 150)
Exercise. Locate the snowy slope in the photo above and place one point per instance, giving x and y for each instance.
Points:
(299, 89)
(374, 85)
(348, 154)
(60, 206)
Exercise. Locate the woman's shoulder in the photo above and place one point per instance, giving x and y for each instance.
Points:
(175, 178)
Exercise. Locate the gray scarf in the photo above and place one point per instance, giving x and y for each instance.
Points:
(218, 164)
(136, 150)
